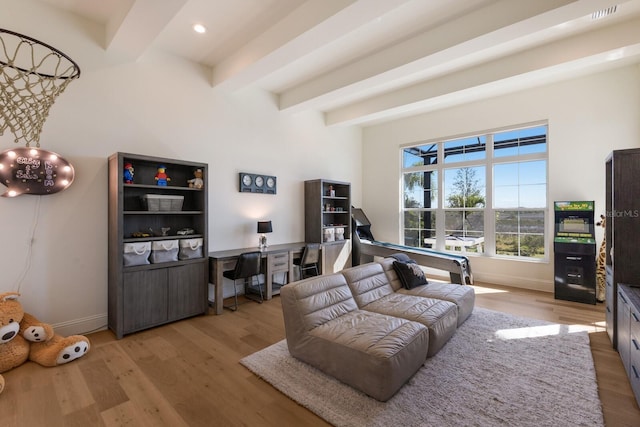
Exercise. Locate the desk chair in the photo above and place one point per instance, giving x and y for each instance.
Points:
(309, 260)
(247, 267)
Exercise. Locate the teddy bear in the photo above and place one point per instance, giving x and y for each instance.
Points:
(23, 337)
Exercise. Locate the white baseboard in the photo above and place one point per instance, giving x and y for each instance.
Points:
(82, 326)
(498, 279)
(515, 282)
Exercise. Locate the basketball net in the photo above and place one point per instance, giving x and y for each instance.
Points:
(32, 75)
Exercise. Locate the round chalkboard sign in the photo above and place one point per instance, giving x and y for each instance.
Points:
(34, 171)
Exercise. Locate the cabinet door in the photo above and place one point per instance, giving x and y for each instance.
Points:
(144, 299)
(624, 335)
(634, 351)
(610, 306)
(336, 256)
(187, 290)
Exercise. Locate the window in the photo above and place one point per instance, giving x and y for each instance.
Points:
(483, 193)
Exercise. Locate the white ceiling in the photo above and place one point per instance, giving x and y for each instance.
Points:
(366, 61)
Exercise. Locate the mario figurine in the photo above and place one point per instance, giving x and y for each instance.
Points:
(128, 173)
(161, 177)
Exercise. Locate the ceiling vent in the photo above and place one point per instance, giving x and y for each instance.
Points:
(603, 13)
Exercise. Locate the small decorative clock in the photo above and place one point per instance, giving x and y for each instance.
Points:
(257, 183)
(271, 182)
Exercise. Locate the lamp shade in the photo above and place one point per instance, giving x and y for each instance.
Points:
(264, 227)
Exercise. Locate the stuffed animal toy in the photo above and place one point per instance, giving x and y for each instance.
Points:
(197, 181)
(601, 275)
(23, 337)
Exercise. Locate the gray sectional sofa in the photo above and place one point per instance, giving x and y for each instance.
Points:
(363, 328)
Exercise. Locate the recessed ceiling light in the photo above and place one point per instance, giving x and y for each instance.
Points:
(604, 13)
(199, 28)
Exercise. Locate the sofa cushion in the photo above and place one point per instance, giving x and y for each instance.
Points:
(367, 282)
(369, 351)
(313, 302)
(462, 295)
(440, 317)
(373, 353)
(410, 274)
(372, 292)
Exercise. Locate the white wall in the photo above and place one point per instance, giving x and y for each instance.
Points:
(588, 117)
(163, 106)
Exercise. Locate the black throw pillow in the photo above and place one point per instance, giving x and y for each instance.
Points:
(402, 257)
(410, 274)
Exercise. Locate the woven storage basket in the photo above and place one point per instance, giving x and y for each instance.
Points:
(162, 203)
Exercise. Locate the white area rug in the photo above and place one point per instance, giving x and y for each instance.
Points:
(497, 370)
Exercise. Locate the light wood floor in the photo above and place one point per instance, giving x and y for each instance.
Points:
(187, 373)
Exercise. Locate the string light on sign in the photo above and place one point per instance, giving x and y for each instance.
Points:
(34, 171)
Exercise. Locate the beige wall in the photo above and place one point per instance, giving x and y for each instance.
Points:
(588, 117)
(162, 106)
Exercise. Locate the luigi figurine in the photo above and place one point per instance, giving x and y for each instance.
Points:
(161, 177)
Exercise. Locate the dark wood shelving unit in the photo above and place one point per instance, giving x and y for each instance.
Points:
(325, 213)
(148, 295)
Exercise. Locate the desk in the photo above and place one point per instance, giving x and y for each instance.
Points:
(275, 256)
(334, 256)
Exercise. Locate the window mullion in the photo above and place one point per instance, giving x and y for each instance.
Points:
(440, 211)
(489, 217)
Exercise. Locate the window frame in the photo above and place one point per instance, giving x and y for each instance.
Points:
(489, 210)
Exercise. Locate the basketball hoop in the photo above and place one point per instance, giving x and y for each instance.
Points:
(32, 75)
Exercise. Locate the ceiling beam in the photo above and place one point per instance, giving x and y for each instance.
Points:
(309, 27)
(457, 43)
(617, 42)
(132, 30)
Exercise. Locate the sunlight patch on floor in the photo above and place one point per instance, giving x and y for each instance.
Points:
(481, 290)
(545, 330)
(600, 326)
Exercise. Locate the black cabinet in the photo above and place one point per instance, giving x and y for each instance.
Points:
(574, 249)
(575, 272)
(622, 228)
(628, 319)
(145, 212)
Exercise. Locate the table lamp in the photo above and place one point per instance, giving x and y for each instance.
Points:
(263, 228)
